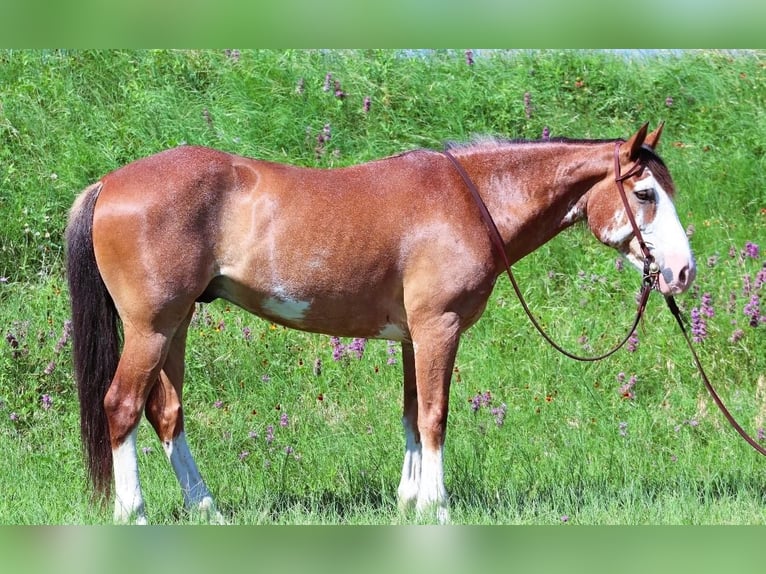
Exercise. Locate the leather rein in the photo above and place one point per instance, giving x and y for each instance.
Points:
(649, 282)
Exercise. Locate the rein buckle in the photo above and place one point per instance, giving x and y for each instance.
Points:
(651, 274)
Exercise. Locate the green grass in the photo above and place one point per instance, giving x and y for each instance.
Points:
(570, 445)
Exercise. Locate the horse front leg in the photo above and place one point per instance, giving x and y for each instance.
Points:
(409, 485)
(435, 344)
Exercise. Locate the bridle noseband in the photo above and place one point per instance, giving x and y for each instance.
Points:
(649, 282)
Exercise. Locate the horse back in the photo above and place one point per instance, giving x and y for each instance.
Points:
(282, 241)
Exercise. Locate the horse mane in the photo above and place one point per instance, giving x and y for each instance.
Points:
(647, 156)
(495, 141)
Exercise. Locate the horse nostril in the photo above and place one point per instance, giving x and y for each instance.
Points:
(686, 276)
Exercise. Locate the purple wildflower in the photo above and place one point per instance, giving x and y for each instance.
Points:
(731, 306)
(469, 57)
(633, 342)
(284, 420)
(46, 401)
(243, 455)
(761, 436)
(366, 105)
(753, 310)
(317, 367)
(246, 333)
(706, 307)
(632, 381)
(623, 426)
(338, 348)
(391, 351)
(3, 280)
(499, 414)
(265, 378)
(626, 389)
(619, 264)
(357, 346)
(218, 404)
(747, 286)
(528, 104)
(732, 251)
(751, 250)
(289, 450)
(481, 400)
(12, 341)
(252, 434)
(585, 343)
(760, 278)
(699, 328)
(49, 368)
(339, 93)
(233, 55)
(668, 101)
(66, 333)
(327, 80)
(322, 138)
(712, 260)
(14, 416)
(146, 449)
(269, 434)
(736, 335)
(546, 133)
(565, 519)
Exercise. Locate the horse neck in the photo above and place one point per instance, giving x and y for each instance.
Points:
(535, 190)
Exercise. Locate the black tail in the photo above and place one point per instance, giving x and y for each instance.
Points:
(95, 338)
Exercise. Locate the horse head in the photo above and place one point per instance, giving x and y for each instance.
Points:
(649, 192)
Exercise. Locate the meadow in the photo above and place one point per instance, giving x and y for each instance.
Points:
(295, 428)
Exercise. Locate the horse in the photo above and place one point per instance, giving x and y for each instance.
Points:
(393, 248)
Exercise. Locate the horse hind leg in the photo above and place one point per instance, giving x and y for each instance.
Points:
(137, 371)
(164, 410)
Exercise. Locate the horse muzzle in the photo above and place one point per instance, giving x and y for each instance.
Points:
(677, 273)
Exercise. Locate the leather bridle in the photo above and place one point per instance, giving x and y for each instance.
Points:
(651, 270)
(649, 282)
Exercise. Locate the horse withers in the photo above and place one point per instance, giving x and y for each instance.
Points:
(392, 249)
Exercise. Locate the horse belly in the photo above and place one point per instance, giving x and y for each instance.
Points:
(374, 311)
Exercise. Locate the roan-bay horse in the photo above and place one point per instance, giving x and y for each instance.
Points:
(391, 249)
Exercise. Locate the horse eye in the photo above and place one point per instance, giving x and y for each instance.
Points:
(643, 194)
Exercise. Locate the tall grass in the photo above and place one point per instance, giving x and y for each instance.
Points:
(284, 432)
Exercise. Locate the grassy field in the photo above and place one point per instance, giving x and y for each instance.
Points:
(285, 433)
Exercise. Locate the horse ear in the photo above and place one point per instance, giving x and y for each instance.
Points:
(633, 145)
(653, 138)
